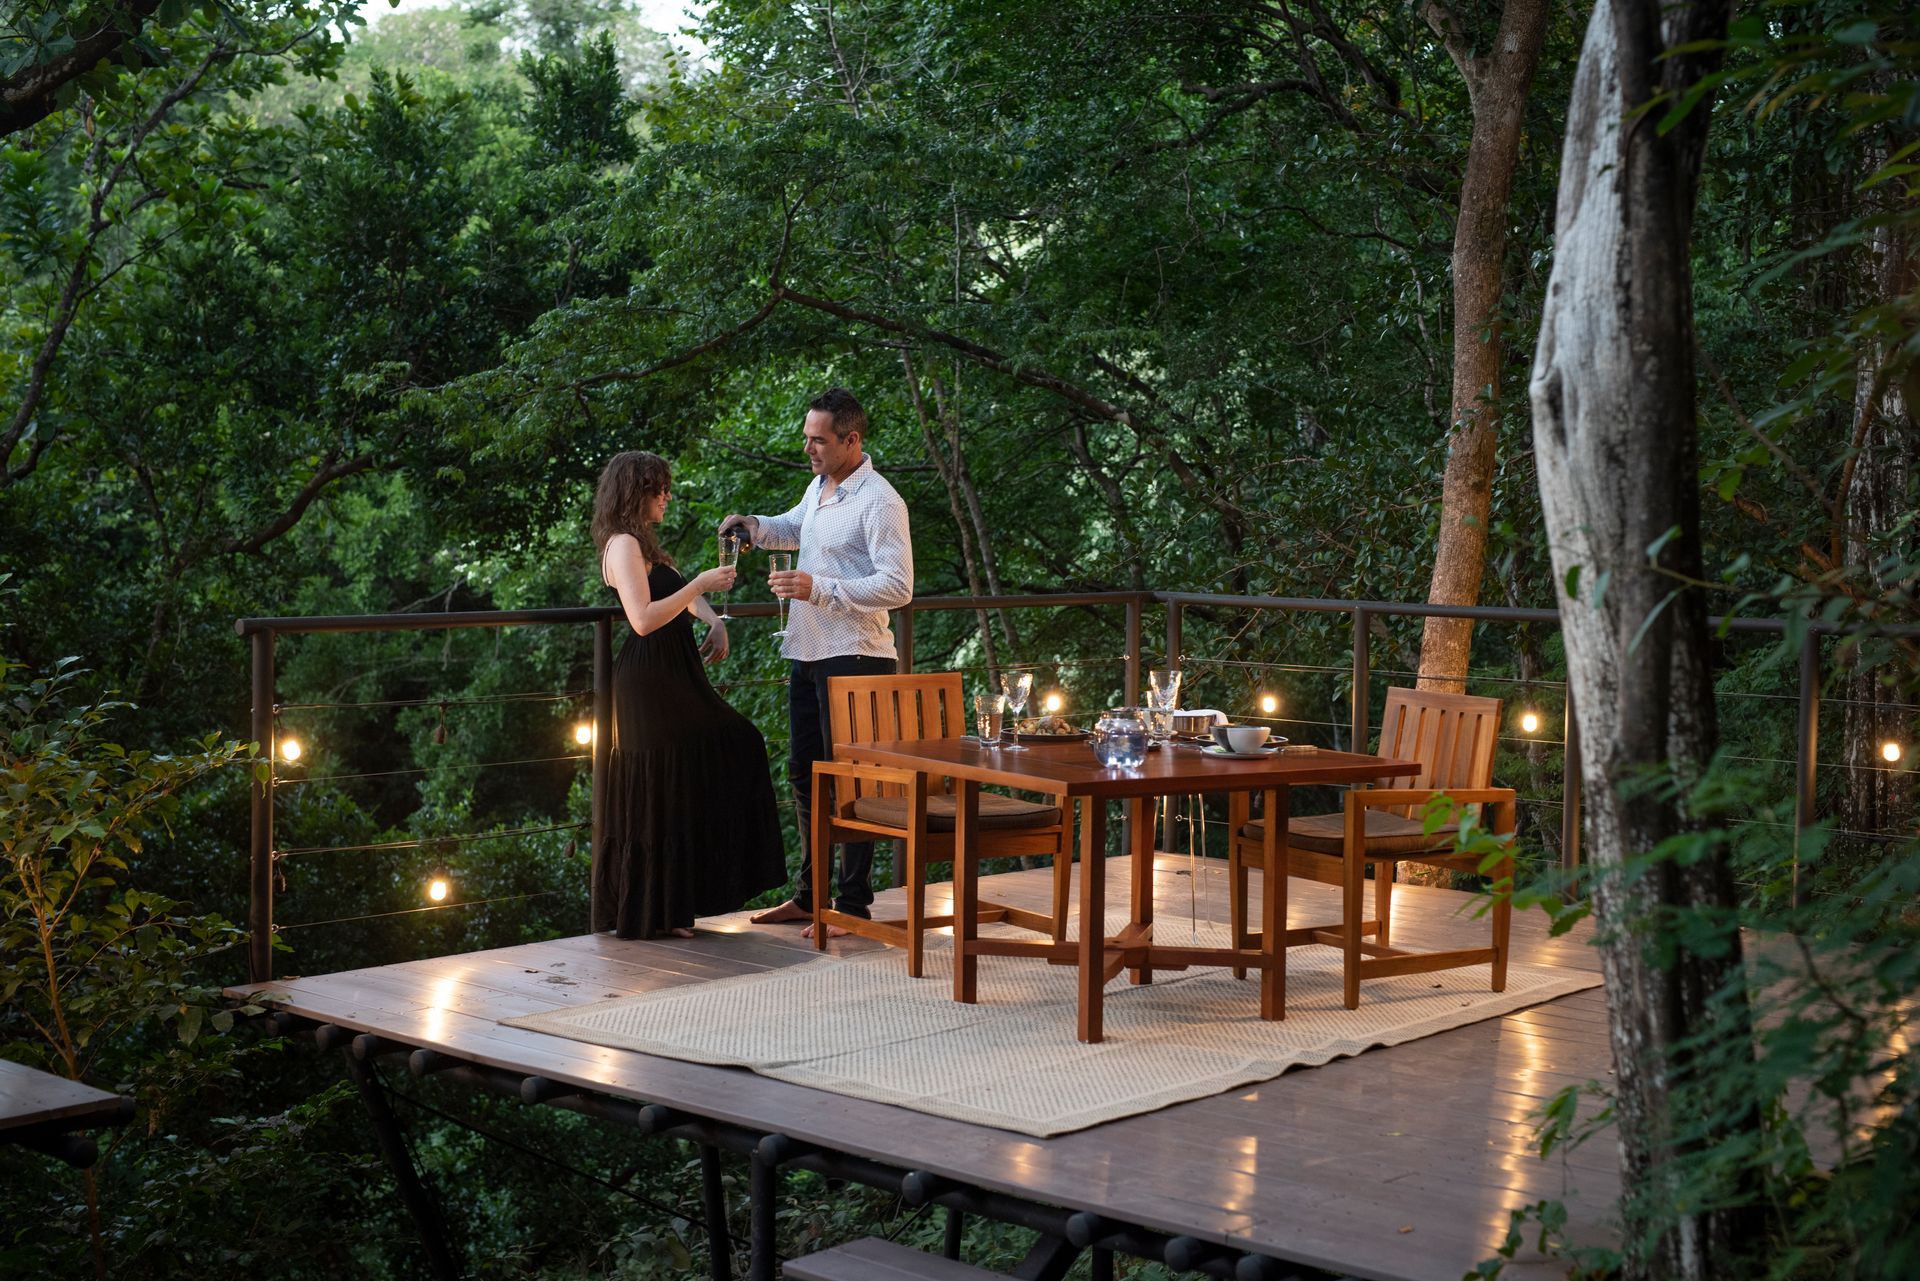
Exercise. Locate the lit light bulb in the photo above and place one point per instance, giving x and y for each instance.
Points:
(1269, 704)
(1053, 702)
(1890, 751)
(1530, 722)
(289, 749)
(583, 733)
(437, 889)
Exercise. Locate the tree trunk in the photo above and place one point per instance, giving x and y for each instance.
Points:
(1616, 446)
(1875, 797)
(1497, 83)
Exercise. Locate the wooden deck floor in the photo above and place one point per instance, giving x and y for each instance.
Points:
(1401, 1163)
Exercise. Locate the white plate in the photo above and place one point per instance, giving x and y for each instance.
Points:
(1257, 754)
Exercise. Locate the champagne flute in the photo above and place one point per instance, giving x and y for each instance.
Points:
(780, 563)
(729, 557)
(1017, 686)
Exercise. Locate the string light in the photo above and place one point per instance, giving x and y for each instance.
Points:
(583, 733)
(1890, 751)
(1053, 702)
(1269, 704)
(438, 887)
(1530, 722)
(290, 749)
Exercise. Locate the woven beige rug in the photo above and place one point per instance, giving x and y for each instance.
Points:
(861, 1027)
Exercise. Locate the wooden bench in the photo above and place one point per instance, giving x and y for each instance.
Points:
(872, 1259)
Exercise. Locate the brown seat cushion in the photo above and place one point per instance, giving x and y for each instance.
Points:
(996, 812)
(1387, 833)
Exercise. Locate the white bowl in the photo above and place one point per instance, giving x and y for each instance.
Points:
(1242, 738)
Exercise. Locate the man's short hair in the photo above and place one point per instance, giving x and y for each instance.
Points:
(848, 417)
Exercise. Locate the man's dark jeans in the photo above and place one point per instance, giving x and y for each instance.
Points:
(811, 726)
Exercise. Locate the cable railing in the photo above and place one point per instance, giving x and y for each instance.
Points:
(267, 859)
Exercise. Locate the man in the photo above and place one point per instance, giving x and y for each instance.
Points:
(855, 564)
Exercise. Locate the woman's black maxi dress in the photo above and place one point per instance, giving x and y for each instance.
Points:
(691, 828)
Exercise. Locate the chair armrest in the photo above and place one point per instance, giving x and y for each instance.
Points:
(1380, 798)
(868, 773)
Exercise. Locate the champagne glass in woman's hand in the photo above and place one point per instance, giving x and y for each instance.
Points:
(729, 557)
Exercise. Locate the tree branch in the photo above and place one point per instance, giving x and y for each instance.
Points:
(331, 469)
(31, 95)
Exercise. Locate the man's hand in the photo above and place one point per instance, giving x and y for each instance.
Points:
(715, 647)
(794, 584)
(746, 525)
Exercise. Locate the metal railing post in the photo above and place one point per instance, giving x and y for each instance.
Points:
(1806, 754)
(1570, 789)
(260, 840)
(1362, 677)
(1130, 696)
(903, 638)
(602, 757)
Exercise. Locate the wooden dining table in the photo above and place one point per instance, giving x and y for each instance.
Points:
(1069, 768)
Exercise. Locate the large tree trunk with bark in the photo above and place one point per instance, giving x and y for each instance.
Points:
(1616, 447)
(1497, 82)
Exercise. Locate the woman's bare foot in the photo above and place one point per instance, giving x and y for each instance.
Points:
(681, 932)
(785, 914)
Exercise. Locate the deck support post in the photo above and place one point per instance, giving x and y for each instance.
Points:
(956, 1226)
(1362, 679)
(768, 1155)
(393, 1145)
(260, 840)
(713, 1193)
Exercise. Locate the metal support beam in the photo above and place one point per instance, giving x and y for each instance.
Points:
(602, 759)
(713, 1197)
(420, 1204)
(260, 840)
(1130, 696)
(768, 1156)
(956, 1227)
(1362, 680)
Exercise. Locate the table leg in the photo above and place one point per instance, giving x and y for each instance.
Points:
(1140, 826)
(966, 889)
(1273, 907)
(1093, 914)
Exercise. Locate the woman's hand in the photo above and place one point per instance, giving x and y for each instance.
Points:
(718, 579)
(715, 647)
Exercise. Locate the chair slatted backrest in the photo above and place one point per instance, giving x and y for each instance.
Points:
(873, 709)
(1453, 736)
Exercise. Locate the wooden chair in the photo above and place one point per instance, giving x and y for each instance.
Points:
(874, 802)
(1453, 737)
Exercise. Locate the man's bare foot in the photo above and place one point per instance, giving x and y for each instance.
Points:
(833, 932)
(784, 914)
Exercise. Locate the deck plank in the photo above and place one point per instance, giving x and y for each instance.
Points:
(30, 1097)
(1325, 1166)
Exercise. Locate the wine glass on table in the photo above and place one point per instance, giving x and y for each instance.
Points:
(1018, 687)
(729, 557)
(780, 563)
(1163, 699)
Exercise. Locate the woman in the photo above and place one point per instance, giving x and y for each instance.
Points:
(690, 826)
